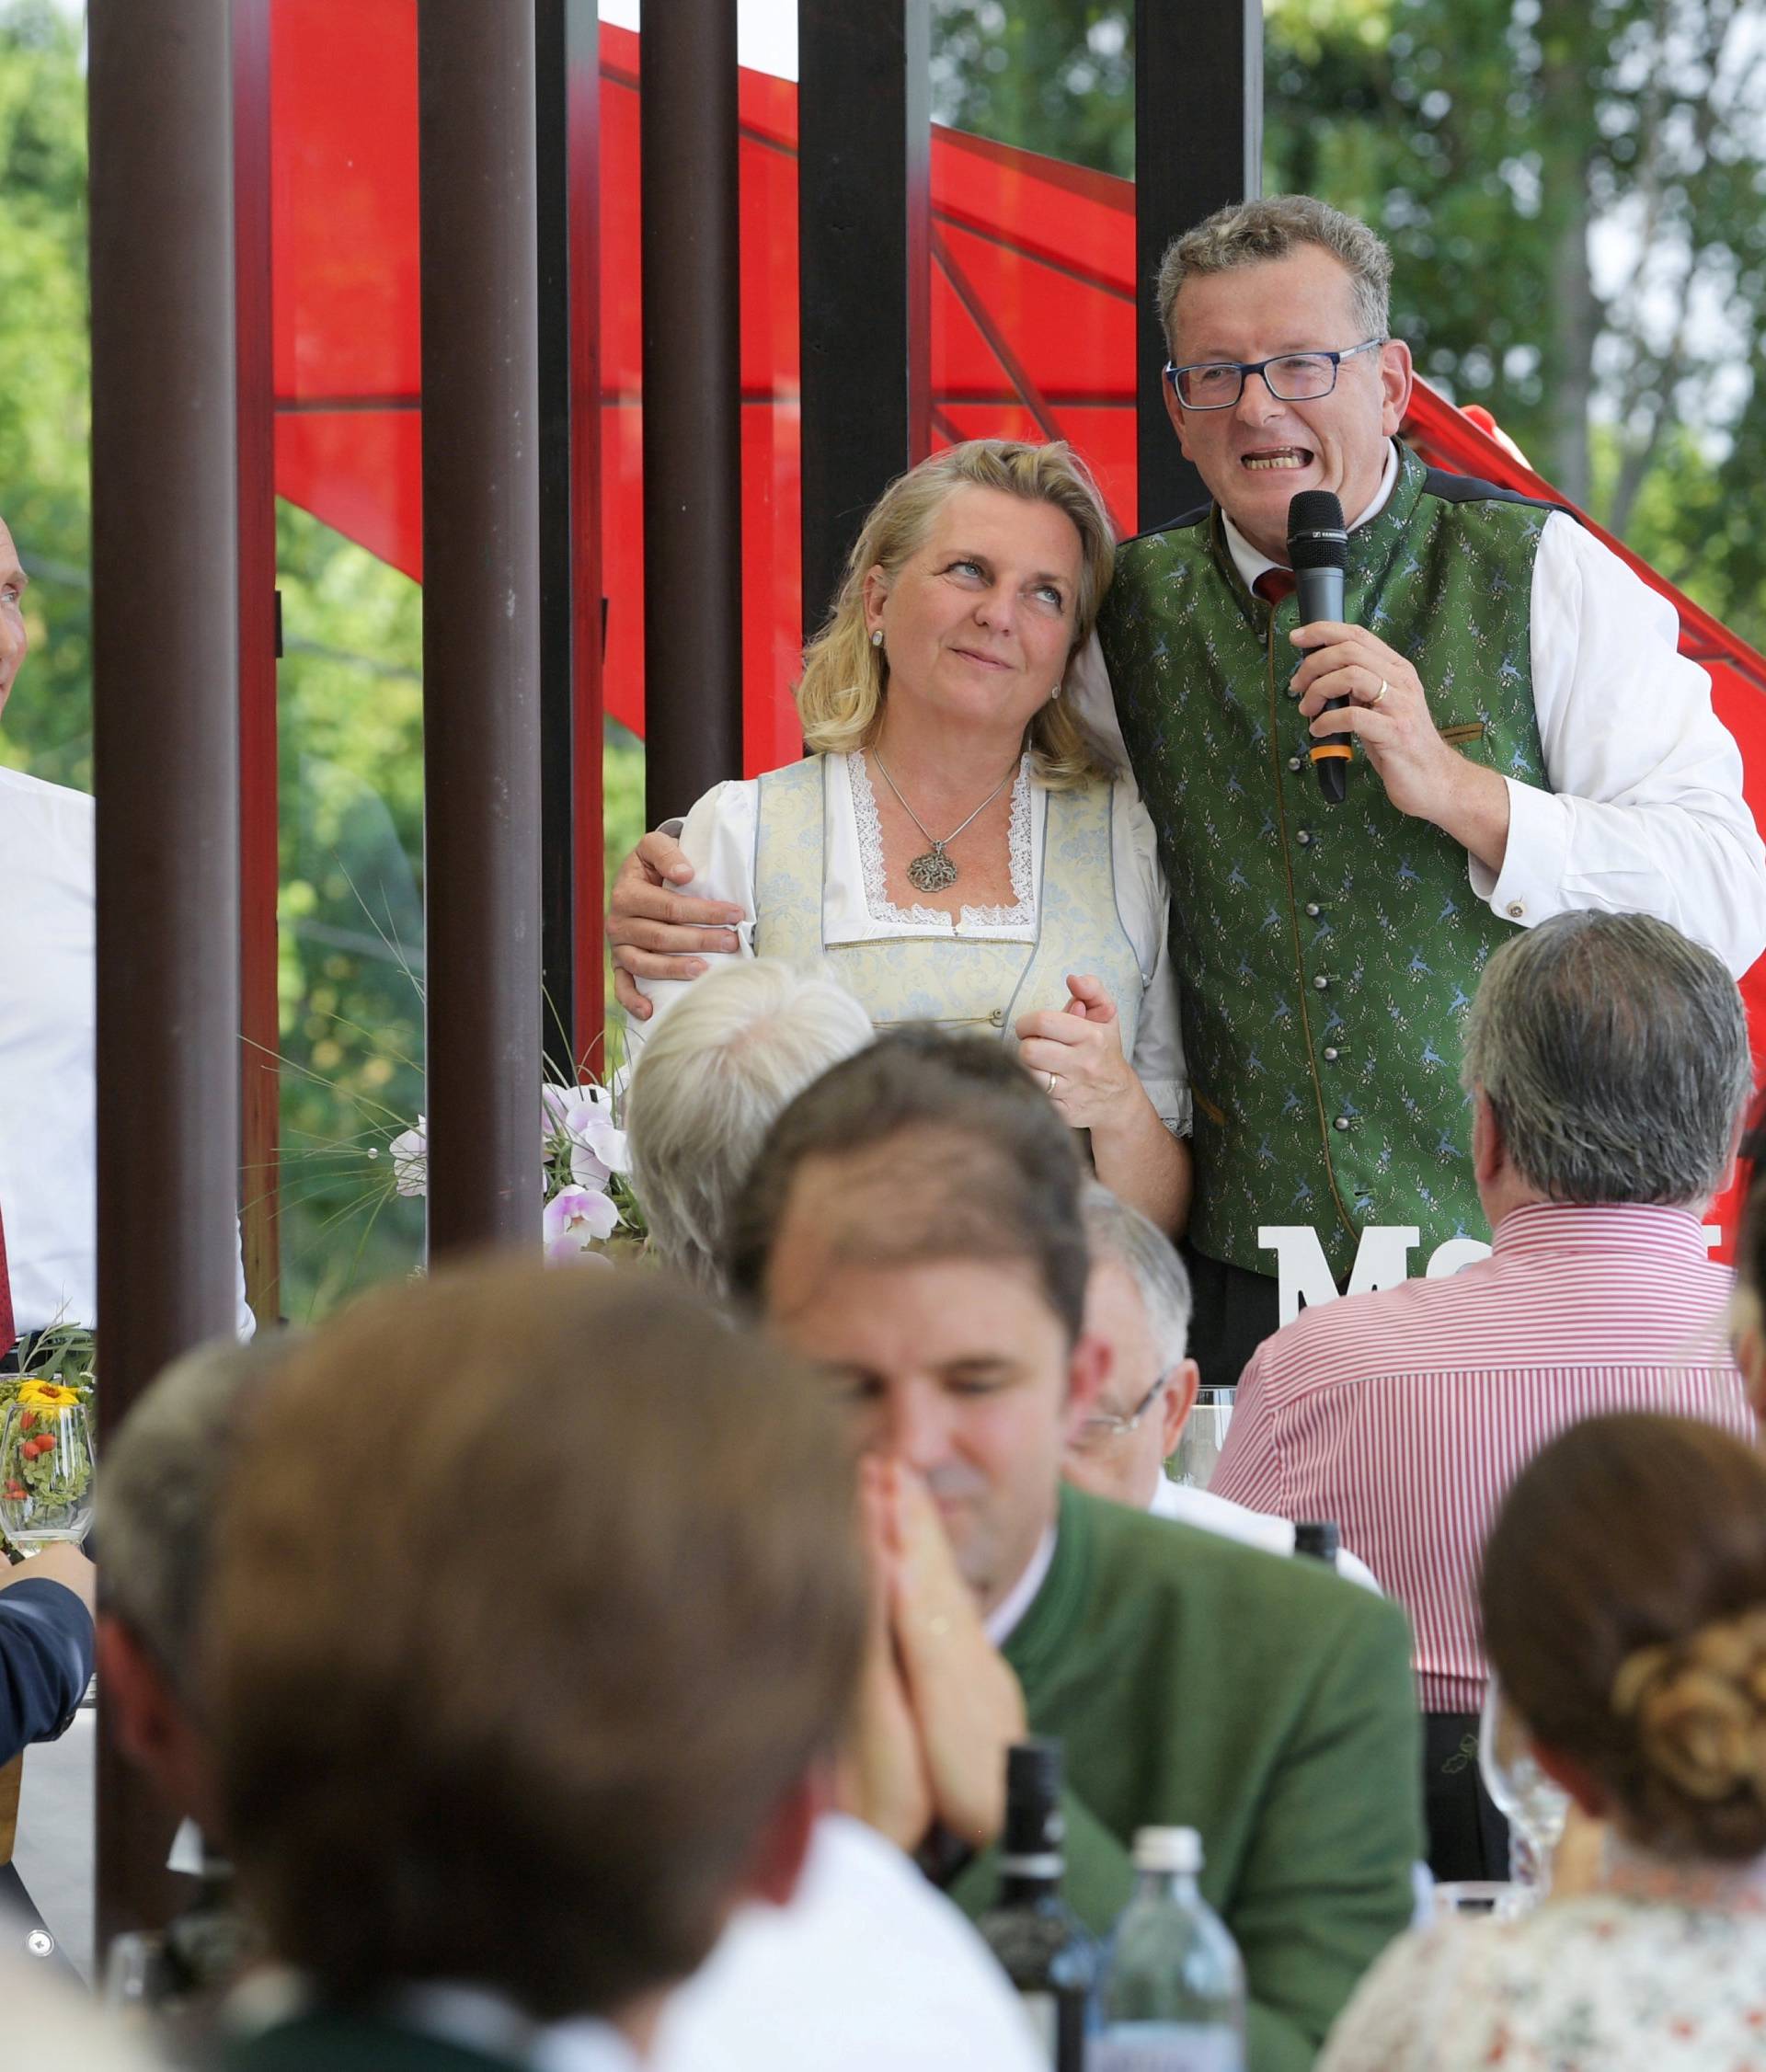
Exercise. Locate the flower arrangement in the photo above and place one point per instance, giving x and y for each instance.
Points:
(590, 1209)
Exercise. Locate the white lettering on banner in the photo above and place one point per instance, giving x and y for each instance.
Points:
(1381, 1260)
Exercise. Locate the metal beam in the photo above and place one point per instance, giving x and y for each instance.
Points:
(864, 269)
(1197, 146)
(693, 444)
(165, 713)
(260, 856)
(567, 71)
(481, 620)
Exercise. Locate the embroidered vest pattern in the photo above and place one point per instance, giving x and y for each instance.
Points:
(1326, 954)
(961, 983)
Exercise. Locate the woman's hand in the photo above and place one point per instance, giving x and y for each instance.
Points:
(1076, 1052)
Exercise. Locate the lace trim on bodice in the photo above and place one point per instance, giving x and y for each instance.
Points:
(882, 908)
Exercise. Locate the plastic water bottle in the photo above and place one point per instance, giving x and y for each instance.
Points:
(1173, 1998)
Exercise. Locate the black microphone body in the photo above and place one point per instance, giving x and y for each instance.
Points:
(1318, 552)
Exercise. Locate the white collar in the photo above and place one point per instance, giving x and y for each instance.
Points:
(1251, 562)
(1018, 1600)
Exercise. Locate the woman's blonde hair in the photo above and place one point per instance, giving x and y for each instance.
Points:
(839, 700)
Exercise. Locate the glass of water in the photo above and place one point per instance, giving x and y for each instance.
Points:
(1535, 1808)
(1204, 1433)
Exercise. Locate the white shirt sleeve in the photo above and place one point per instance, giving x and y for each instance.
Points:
(719, 837)
(1645, 812)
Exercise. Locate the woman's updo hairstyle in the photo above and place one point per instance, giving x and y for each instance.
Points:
(839, 700)
(1625, 1612)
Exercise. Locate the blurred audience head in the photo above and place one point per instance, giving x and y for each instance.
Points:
(539, 1607)
(725, 1059)
(164, 1479)
(1137, 1306)
(1624, 1613)
(1608, 1060)
(912, 1225)
(845, 678)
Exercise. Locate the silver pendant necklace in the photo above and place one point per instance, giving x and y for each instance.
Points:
(933, 871)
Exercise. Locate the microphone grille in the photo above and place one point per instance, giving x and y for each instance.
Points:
(1318, 537)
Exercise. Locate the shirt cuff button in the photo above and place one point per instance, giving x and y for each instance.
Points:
(1516, 910)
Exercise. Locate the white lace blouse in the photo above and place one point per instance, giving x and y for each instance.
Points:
(1673, 1980)
(719, 837)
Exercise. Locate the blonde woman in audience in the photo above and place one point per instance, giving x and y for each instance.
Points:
(954, 845)
(1624, 1610)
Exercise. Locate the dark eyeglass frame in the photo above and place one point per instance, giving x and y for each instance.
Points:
(1106, 1430)
(1174, 376)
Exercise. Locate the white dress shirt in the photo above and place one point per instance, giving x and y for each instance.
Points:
(48, 1106)
(868, 1969)
(1239, 1521)
(719, 838)
(1645, 813)
(48, 1055)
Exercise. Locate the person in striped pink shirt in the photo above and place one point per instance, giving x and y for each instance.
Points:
(1608, 1065)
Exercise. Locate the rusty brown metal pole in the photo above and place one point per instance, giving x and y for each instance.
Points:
(481, 618)
(166, 704)
(693, 444)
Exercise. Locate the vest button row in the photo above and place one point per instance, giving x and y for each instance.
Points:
(1330, 1054)
(1305, 839)
(1311, 909)
(1321, 984)
(1293, 762)
(1342, 1122)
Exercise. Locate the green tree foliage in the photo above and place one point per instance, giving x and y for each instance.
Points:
(45, 369)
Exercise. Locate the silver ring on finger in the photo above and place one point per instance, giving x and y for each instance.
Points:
(1379, 694)
(1053, 1083)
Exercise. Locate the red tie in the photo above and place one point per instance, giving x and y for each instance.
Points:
(8, 1336)
(1275, 584)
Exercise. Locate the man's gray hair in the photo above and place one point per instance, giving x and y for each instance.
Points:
(1613, 1053)
(160, 1488)
(1248, 233)
(1123, 1236)
(728, 1058)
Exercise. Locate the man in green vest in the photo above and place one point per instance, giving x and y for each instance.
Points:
(1528, 741)
(912, 1225)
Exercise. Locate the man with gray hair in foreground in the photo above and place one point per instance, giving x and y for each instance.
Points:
(1607, 1062)
(729, 1056)
(1137, 1303)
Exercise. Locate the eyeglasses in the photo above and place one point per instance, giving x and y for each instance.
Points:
(1291, 377)
(1098, 1433)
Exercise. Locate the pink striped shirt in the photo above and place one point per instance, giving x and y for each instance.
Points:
(1406, 1414)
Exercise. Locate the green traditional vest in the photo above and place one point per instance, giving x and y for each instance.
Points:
(952, 979)
(1327, 953)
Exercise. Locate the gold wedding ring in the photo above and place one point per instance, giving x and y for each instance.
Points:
(1380, 693)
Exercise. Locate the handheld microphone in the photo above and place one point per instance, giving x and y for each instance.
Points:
(1318, 552)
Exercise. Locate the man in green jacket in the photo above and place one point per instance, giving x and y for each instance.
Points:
(914, 1224)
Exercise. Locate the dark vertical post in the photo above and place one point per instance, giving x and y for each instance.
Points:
(863, 262)
(1197, 146)
(260, 1032)
(481, 625)
(693, 445)
(166, 698)
(566, 68)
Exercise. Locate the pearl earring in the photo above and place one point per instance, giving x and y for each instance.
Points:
(877, 637)
(1056, 691)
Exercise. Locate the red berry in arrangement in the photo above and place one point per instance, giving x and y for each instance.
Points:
(27, 1420)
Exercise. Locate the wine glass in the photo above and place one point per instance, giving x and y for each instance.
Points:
(45, 1465)
(1203, 1436)
(1536, 1809)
